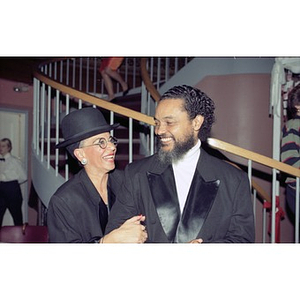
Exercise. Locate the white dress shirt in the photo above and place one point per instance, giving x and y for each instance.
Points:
(12, 169)
(184, 171)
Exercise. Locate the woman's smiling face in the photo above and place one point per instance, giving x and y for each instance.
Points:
(97, 157)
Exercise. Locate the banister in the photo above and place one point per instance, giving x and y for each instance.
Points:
(215, 143)
(95, 100)
(264, 160)
(148, 82)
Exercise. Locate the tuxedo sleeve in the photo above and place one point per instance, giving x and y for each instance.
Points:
(124, 207)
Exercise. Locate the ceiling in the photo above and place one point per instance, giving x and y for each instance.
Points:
(18, 69)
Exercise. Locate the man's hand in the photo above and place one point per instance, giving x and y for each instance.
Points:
(131, 231)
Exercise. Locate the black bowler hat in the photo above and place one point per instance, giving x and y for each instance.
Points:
(82, 124)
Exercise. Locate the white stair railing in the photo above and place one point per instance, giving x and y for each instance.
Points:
(63, 85)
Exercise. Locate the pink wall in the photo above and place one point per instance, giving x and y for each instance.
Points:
(20, 101)
(10, 98)
(242, 110)
(242, 119)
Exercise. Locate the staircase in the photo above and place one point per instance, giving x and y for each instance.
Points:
(62, 85)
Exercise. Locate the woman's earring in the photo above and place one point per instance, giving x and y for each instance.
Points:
(84, 161)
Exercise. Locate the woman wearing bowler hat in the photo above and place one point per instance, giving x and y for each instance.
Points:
(79, 209)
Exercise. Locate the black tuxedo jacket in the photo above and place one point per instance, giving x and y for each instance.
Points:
(218, 208)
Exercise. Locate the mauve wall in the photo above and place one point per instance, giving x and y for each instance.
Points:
(242, 118)
(10, 98)
(242, 110)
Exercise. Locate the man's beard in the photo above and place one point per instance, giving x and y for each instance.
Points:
(179, 150)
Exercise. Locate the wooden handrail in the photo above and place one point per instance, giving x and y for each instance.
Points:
(148, 83)
(95, 100)
(264, 160)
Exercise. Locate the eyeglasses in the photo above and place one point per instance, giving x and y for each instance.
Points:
(103, 142)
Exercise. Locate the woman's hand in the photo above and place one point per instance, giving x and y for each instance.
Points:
(132, 231)
(197, 241)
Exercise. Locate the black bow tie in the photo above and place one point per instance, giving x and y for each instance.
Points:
(2, 159)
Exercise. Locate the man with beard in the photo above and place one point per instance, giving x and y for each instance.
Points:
(187, 195)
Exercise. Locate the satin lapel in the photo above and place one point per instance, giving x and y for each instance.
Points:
(199, 202)
(163, 191)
